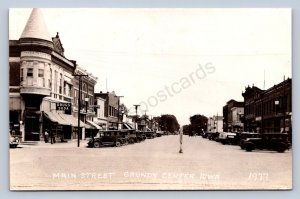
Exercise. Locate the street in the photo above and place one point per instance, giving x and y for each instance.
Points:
(154, 164)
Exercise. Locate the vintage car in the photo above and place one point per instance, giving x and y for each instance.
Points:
(160, 133)
(228, 137)
(243, 136)
(271, 141)
(140, 135)
(107, 138)
(205, 134)
(150, 134)
(13, 141)
(213, 136)
(132, 136)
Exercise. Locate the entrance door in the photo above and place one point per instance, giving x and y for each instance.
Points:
(32, 127)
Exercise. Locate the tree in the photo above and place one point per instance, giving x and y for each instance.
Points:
(186, 129)
(169, 123)
(198, 122)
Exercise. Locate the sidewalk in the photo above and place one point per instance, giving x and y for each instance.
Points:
(42, 144)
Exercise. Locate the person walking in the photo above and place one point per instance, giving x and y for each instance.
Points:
(46, 136)
(51, 137)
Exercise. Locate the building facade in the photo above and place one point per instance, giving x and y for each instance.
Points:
(233, 113)
(111, 110)
(41, 87)
(100, 118)
(215, 124)
(270, 110)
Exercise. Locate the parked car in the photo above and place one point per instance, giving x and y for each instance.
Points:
(213, 136)
(245, 135)
(140, 135)
(132, 136)
(107, 138)
(150, 134)
(13, 141)
(206, 134)
(159, 133)
(271, 141)
(228, 138)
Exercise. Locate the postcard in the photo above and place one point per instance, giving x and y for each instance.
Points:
(150, 99)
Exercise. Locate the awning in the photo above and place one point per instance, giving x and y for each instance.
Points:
(54, 117)
(131, 125)
(71, 120)
(93, 124)
(127, 126)
(63, 119)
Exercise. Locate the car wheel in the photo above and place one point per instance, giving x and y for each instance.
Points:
(248, 147)
(97, 144)
(118, 143)
(281, 147)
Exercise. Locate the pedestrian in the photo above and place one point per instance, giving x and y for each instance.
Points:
(46, 136)
(51, 137)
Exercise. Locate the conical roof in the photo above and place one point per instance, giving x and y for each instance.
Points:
(36, 26)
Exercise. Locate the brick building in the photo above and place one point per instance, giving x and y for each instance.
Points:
(233, 113)
(269, 110)
(111, 108)
(41, 79)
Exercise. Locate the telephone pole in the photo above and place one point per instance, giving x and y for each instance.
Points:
(79, 104)
(119, 109)
(136, 107)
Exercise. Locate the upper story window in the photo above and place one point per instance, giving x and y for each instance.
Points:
(55, 81)
(41, 72)
(84, 87)
(29, 72)
(21, 74)
(50, 80)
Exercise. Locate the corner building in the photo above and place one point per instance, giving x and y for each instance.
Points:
(40, 78)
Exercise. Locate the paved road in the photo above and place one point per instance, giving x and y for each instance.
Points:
(152, 164)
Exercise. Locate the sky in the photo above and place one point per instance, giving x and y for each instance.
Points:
(173, 61)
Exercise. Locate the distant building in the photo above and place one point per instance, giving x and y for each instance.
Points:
(269, 110)
(233, 112)
(111, 108)
(100, 118)
(215, 124)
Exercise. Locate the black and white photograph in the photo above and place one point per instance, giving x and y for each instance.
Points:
(150, 99)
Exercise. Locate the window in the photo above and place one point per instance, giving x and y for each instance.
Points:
(29, 72)
(75, 97)
(60, 83)
(50, 80)
(84, 87)
(21, 75)
(41, 72)
(55, 81)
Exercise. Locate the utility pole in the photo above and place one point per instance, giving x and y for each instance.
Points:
(79, 105)
(136, 107)
(145, 121)
(119, 109)
(217, 123)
